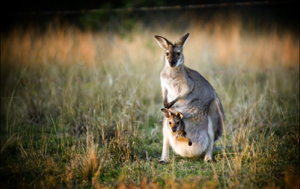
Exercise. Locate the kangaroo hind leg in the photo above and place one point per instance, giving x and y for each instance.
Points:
(215, 127)
(211, 135)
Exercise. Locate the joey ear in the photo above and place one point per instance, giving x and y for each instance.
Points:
(182, 40)
(163, 42)
(179, 114)
(166, 112)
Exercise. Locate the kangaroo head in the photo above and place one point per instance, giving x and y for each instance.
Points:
(174, 120)
(173, 52)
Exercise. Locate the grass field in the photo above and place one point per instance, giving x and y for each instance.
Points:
(82, 109)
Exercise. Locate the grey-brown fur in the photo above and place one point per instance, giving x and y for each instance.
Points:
(186, 91)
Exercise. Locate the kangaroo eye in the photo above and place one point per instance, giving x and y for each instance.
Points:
(167, 53)
(178, 53)
(177, 122)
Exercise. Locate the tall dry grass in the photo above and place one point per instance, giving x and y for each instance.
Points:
(220, 42)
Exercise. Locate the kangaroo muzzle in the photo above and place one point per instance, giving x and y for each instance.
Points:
(172, 63)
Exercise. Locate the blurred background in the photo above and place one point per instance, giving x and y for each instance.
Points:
(257, 34)
(114, 39)
(107, 40)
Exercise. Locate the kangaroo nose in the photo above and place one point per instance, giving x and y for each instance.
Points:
(172, 63)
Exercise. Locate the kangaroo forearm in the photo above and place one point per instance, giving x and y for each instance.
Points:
(170, 104)
(165, 97)
(184, 140)
(179, 97)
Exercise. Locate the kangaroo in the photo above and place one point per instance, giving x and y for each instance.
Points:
(176, 126)
(185, 90)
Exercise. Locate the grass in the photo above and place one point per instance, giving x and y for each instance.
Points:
(81, 109)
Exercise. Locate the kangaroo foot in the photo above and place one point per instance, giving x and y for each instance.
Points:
(163, 161)
(209, 159)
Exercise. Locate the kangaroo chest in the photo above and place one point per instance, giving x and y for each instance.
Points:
(175, 86)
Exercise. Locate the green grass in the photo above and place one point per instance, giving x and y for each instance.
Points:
(72, 125)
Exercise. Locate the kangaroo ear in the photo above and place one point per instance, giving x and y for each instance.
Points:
(166, 112)
(163, 42)
(179, 114)
(182, 40)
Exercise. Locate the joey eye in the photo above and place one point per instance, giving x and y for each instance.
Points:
(178, 53)
(167, 53)
(170, 122)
